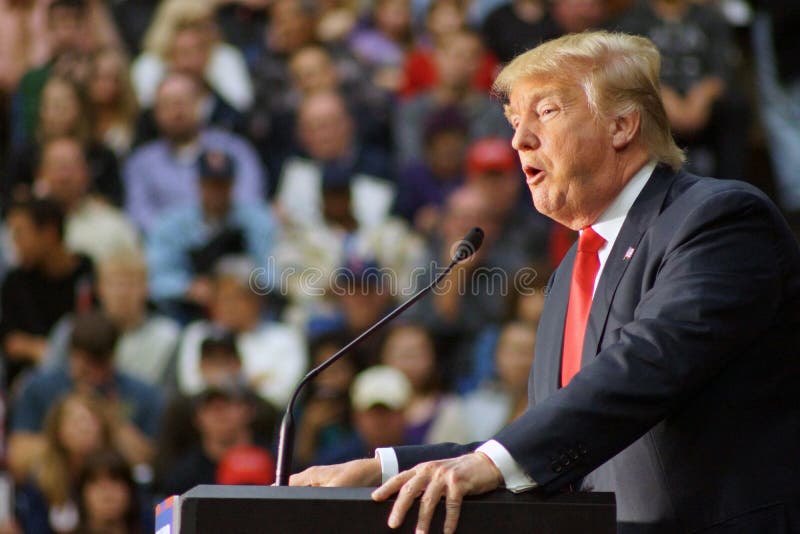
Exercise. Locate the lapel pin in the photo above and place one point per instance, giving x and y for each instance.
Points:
(628, 254)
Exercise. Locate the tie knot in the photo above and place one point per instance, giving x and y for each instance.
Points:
(590, 241)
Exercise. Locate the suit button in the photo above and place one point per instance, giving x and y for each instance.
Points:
(573, 454)
(557, 467)
(582, 448)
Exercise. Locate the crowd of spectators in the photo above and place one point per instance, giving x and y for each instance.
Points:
(202, 199)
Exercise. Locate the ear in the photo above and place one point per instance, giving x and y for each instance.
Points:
(624, 129)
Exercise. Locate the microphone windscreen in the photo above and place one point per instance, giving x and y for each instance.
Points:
(469, 245)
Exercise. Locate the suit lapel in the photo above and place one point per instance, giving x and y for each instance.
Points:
(646, 208)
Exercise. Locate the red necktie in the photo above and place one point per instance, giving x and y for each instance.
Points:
(584, 271)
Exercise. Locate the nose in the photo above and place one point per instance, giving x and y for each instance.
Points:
(524, 138)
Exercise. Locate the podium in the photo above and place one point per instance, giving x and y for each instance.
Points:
(302, 510)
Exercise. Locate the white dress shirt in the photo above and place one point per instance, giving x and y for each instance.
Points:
(608, 226)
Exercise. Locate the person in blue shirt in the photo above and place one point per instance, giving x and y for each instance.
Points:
(184, 245)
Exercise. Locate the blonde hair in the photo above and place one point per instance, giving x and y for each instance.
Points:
(126, 108)
(173, 16)
(127, 258)
(619, 74)
(53, 474)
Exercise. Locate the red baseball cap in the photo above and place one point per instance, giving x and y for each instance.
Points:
(246, 464)
(491, 154)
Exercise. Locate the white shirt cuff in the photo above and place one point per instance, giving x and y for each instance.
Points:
(389, 465)
(514, 477)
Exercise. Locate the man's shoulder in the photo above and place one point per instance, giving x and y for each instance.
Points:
(692, 192)
(155, 149)
(136, 389)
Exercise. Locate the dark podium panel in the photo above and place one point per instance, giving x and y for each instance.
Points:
(266, 509)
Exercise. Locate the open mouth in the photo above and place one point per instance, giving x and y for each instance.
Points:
(533, 175)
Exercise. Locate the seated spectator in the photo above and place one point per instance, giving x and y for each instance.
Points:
(290, 27)
(313, 69)
(383, 44)
(222, 416)
(525, 305)
(493, 168)
(457, 57)
(379, 397)
(188, 53)
(324, 422)
(273, 354)
(432, 416)
(329, 143)
(63, 113)
(93, 227)
(575, 16)
(184, 245)
(476, 298)
(112, 100)
(498, 402)
(419, 71)
(423, 186)
(134, 407)
(359, 293)
(49, 282)
(241, 24)
(183, 37)
(162, 174)
(108, 499)
(147, 341)
(61, 32)
(76, 429)
(323, 248)
(220, 366)
(707, 111)
(516, 26)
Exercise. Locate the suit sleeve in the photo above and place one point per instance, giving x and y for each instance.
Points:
(717, 288)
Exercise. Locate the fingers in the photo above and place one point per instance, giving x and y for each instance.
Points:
(366, 472)
(428, 502)
(392, 486)
(452, 509)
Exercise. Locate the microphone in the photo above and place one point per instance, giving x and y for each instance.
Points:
(465, 249)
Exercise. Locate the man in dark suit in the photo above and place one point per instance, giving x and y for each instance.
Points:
(668, 355)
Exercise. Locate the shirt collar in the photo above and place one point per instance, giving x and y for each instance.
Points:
(610, 221)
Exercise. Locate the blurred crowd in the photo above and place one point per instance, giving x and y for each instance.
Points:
(203, 199)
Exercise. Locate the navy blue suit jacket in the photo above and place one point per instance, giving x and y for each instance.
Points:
(686, 403)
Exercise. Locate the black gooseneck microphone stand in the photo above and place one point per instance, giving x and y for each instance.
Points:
(466, 248)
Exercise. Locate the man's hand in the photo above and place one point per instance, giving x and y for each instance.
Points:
(360, 473)
(471, 474)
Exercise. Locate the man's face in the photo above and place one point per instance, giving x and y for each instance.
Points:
(122, 291)
(325, 128)
(215, 196)
(458, 60)
(87, 372)
(235, 306)
(190, 52)
(30, 242)
(66, 29)
(223, 419)
(64, 172)
(380, 426)
(177, 109)
(566, 153)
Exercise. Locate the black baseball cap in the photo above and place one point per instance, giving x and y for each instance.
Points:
(216, 165)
